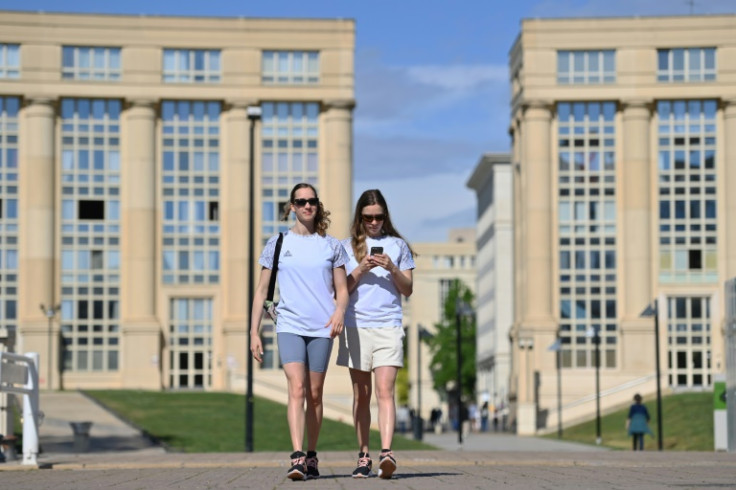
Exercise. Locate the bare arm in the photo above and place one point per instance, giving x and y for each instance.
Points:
(340, 283)
(256, 313)
(403, 280)
(354, 277)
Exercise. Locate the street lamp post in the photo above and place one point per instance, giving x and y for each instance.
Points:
(653, 310)
(418, 423)
(458, 321)
(461, 309)
(50, 312)
(254, 114)
(557, 348)
(597, 342)
(659, 388)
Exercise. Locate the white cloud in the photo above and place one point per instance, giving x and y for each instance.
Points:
(423, 208)
(459, 77)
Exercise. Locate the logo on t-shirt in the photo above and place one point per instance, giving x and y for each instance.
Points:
(287, 254)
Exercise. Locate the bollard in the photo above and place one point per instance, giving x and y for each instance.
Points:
(81, 436)
(418, 428)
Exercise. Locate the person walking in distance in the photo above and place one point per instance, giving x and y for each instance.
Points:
(311, 312)
(637, 423)
(379, 273)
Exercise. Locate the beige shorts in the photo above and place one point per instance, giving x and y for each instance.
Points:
(365, 349)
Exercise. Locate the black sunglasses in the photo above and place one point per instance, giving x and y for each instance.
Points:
(369, 218)
(313, 201)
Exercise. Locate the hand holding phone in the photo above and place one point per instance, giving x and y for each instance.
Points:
(376, 250)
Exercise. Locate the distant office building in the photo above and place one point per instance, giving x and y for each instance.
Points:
(624, 153)
(124, 177)
(438, 265)
(492, 181)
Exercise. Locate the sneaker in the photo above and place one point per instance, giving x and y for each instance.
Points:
(312, 462)
(365, 463)
(386, 464)
(298, 470)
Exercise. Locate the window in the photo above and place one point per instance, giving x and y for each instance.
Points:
(289, 155)
(589, 67)
(91, 210)
(587, 233)
(291, 67)
(191, 188)
(190, 343)
(686, 65)
(689, 341)
(687, 190)
(9, 60)
(90, 233)
(192, 66)
(90, 63)
(9, 223)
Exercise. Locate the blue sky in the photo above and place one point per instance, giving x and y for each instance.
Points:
(431, 84)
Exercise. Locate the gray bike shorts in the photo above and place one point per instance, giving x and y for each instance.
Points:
(313, 352)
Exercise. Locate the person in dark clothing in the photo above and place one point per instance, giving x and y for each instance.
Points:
(637, 423)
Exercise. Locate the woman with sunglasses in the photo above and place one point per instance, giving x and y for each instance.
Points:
(311, 312)
(379, 273)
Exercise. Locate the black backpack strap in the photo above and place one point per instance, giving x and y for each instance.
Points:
(274, 268)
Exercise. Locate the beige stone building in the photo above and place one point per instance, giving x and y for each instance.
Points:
(624, 148)
(492, 181)
(124, 186)
(438, 264)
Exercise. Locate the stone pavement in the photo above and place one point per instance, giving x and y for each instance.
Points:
(121, 457)
(417, 469)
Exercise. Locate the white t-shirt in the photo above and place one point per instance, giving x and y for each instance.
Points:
(306, 289)
(376, 302)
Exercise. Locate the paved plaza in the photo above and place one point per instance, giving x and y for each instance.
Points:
(120, 457)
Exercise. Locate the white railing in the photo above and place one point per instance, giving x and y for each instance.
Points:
(19, 375)
(604, 393)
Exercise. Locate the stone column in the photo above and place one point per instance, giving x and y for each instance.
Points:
(37, 239)
(636, 215)
(337, 175)
(235, 213)
(636, 231)
(729, 200)
(537, 185)
(141, 331)
(535, 262)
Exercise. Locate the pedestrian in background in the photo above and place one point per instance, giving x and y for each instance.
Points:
(311, 312)
(379, 273)
(637, 423)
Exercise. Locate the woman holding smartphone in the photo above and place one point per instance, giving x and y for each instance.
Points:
(311, 312)
(379, 273)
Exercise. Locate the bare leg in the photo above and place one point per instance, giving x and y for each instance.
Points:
(385, 387)
(296, 380)
(315, 385)
(362, 406)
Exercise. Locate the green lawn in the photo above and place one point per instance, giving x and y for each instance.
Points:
(687, 425)
(215, 422)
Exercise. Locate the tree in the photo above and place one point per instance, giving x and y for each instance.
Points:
(443, 344)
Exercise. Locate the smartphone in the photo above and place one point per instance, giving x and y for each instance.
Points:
(376, 250)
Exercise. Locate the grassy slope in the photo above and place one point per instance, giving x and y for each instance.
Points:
(687, 425)
(215, 422)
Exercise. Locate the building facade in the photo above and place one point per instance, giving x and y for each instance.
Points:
(624, 151)
(438, 264)
(124, 186)
(492, 182)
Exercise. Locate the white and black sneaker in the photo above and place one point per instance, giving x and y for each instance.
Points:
(298, 470)
(386, 464)
(312, 465)
(365, 464)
